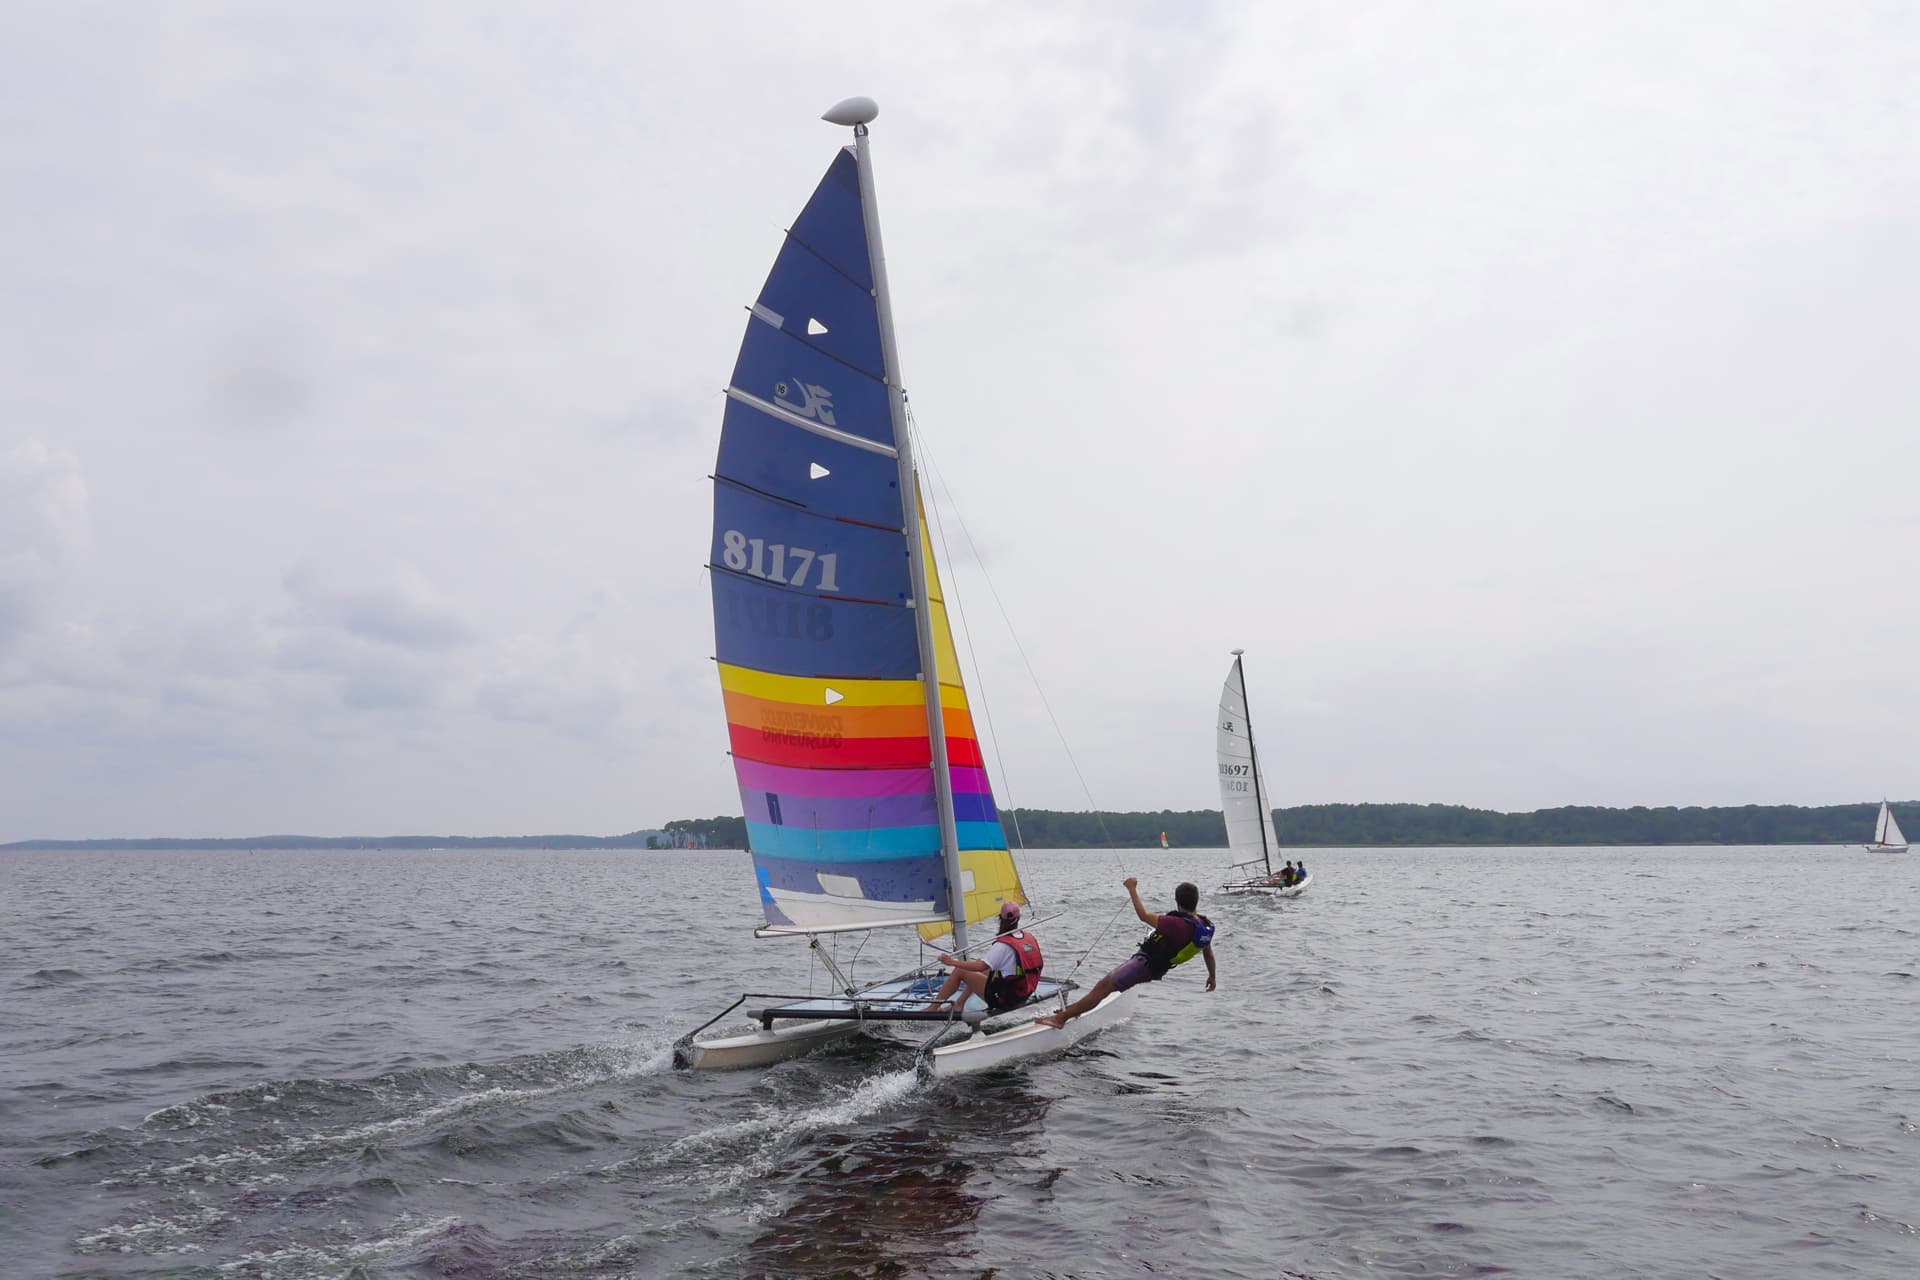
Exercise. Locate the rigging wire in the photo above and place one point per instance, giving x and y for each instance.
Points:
(952, 591)
(920, 439)
(952, 588)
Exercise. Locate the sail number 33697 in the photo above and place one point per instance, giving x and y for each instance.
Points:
(779, 563)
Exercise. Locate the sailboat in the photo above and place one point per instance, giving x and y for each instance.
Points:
(1886, 832)
(1244, 797)
(866, 796)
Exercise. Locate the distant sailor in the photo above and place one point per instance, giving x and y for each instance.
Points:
(1005, 976)
(1286, 877)
(1177, 937)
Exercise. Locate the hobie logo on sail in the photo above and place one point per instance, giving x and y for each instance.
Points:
(816, 401)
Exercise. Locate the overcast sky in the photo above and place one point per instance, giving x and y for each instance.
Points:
(1528, 388)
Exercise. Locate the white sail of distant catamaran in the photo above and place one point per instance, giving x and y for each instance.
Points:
(1886, 832)
(1244, 799)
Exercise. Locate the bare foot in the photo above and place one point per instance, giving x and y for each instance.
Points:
(1054, 1020)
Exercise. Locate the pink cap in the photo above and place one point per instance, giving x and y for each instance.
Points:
(1009, 911)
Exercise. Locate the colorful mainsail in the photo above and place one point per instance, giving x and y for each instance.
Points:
(815, 628)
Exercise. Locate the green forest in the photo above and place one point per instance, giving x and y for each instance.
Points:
(1307, 826)
(1332, 825)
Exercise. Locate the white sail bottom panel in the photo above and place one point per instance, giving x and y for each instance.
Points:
(1244, 798)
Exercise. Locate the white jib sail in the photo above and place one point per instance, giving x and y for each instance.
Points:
(1887, 831)
(1244, 798)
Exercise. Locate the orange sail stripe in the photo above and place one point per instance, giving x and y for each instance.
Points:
(764, 715)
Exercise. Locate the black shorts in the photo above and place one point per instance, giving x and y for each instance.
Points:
(999, 994)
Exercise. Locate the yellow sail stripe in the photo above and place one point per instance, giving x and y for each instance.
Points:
(995, 881)
(946, 658)
(811, 691)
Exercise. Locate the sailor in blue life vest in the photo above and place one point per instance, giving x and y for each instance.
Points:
(1004, 977)
(1177, 937)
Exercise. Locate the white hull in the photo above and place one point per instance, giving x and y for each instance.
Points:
(982, 1050)
(812, 1022)
(1268, 890)
(760, 1048)
(1884, 848)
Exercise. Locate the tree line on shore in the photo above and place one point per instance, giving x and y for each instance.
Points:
(1369, 825)
(1301, 827)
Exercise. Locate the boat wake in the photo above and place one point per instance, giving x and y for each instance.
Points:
(739, 1151)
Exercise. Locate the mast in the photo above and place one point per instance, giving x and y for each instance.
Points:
(858, 112)
(1259, 800)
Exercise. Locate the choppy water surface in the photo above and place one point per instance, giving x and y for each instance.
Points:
(1552, 1063)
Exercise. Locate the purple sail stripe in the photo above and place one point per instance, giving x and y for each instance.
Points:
(970, 778)
(839, 813)
(835, 783)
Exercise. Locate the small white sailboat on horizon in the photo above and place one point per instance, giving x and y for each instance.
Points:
(1251, 839)
(1886, 833)
(866, 796)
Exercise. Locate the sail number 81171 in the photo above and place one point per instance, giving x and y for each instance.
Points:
(778, 563)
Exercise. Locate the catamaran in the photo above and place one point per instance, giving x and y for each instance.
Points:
(1886, 832)
(1244, 797)
(866, 795)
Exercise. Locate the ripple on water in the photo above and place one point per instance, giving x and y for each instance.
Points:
(1391, 1082)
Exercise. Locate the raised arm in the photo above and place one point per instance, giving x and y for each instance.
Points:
(1139, 908)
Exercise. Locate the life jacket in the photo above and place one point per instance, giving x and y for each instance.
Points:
(1160, 951)
(1027, 950)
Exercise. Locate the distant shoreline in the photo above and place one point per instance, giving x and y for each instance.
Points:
(1335, 826)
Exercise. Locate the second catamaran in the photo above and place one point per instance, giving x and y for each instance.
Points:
(1245, 802)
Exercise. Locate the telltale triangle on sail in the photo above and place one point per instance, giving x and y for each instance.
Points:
(877, 813)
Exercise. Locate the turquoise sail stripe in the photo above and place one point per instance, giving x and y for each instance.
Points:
(885, 844)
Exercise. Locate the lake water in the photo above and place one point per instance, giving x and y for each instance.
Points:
(1558, 1063)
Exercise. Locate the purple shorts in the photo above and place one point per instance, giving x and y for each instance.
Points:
(1131, 974)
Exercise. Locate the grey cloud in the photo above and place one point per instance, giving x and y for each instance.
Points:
(1405, 348)
(403, 611)
(43, 519)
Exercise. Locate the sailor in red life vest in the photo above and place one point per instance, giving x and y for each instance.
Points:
(1177, 937)
(1004, 977)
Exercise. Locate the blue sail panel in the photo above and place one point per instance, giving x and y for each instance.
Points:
(778, 543)
(795, 633)
(831, 224)
(765, 453)
(797, 376)
(817, 304)
(789, 842)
